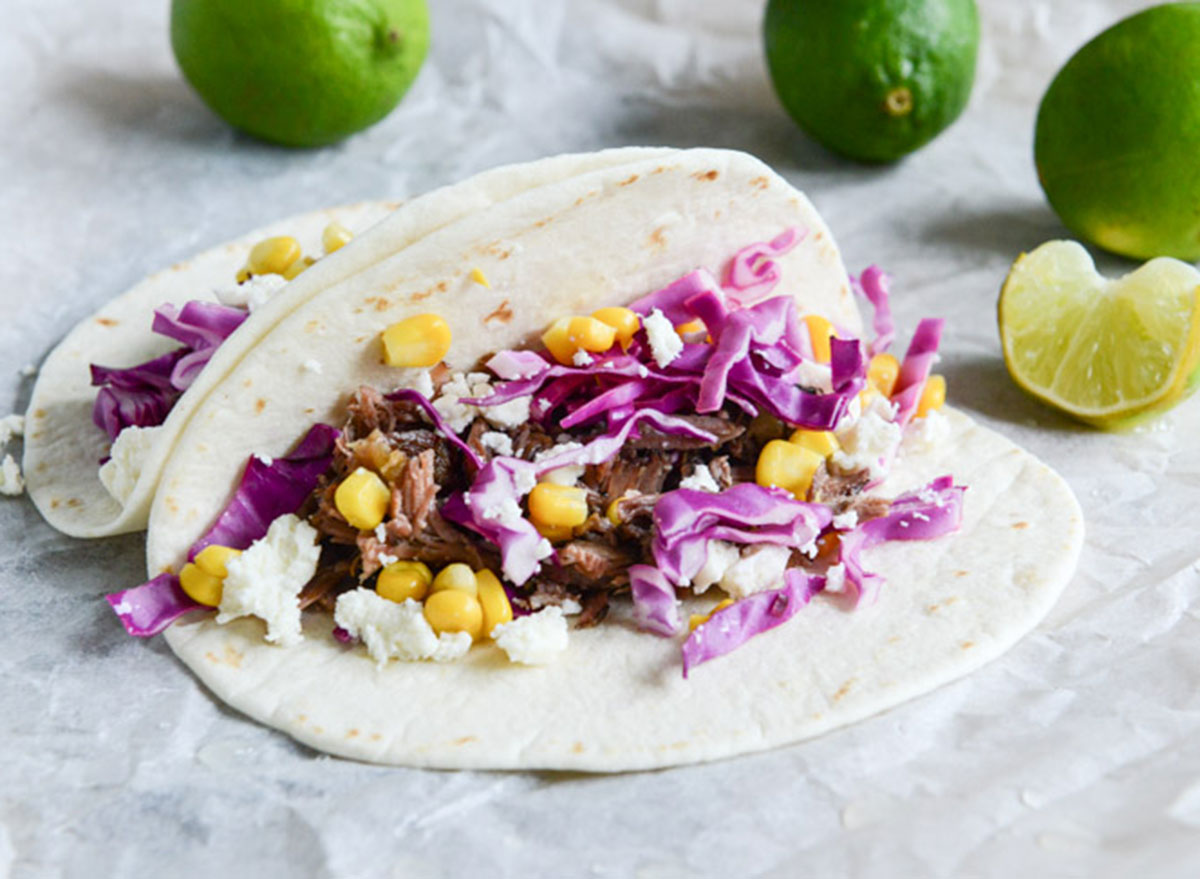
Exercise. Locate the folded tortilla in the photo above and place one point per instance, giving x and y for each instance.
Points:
(615, 700)
(62, 446)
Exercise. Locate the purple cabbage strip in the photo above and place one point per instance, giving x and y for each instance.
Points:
(438, 422)
(933, 511)
(140, 395)
(148, 609)
(915, 368)
(752, 274)
(655, 607)
(733, 626)
(874, 285)
(512, 365)
(672, 300)
(270, 490)
(746, 513)
(197, 325)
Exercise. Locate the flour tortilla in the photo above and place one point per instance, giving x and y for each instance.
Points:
(615, 701)
(63, 447)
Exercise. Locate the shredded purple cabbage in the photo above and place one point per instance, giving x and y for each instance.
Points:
(144, 395)
(655, 607)
(148, 609)
(752, 274)
(731, 627)
(915, 368)
(874, 285)
(438, 422)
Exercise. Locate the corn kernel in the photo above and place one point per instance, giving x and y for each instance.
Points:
(243, 275)
(557, 506)
(820, 331)
(933, 395)
(787, 466)
(823, 442)
(480, 278)
(201, 586)
(613, 511)
(403, 580)
(335, 236)
(212, 559)
(883, 372)
(555, 533)
(557, 342)
(297, 267)
(590, 334)
(421, 340)
(456, 576)
(452, 610)
(362, 499)
(692, 326)
(624, 320)
(699, 619)
(273, 255)
(494, 600)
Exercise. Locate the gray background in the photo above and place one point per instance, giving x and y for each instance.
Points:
(1075, 755)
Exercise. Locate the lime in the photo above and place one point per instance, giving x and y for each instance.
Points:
(1118, 133)
(872, 79)
(1105, 352)
(300, 72)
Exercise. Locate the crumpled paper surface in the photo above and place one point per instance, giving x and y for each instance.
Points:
(1077, 754)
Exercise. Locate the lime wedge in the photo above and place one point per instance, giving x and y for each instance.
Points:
(1105, 352)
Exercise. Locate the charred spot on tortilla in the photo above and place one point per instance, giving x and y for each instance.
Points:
(760, 182)
(707, 175)
(503, 313)
(107, 321)
(632, 178)
(260, 404)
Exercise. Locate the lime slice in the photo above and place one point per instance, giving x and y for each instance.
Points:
(1106, 352)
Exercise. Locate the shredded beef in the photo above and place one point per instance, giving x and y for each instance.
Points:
(719, 425)
(721, 472)
(833, 488)
(597, 561)
(595, 608)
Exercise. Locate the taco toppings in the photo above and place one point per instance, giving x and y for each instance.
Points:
(707, 440)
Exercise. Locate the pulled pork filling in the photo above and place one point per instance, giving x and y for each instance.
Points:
(422, 469)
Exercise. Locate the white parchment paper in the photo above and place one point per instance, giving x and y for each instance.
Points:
(1077, 754)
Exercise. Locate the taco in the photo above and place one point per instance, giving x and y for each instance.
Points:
(112, 397)
(608, 477)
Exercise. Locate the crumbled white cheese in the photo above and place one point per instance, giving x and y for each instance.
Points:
(665, 343)
(500, 443)
(507, 513)
(700, 479)
(534, 639)
(381, 533)
(251, 293)
(835, 579)
(569, 606)
(450, 406)
(927, 433)
(11, 481)
(568, 475)
(851, 415)
(121, 472)
(883, 407)
(810, 374)
(313, 366)
(265, 580)
(760, 568)
(867, 445)
(477, 385)
(514, 413)
(10, 426)
(721, 556)
(385, 559)
(524, 480)
(582, 358)
(845, 521)
(419, 380)
(396, 630)
(544, 550)
(265, 460)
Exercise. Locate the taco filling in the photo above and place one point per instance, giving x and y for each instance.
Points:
(707, 446)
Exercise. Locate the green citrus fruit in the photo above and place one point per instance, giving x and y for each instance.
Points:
(1118, 135)
(872, 79)
(1106, 352)
(300, 72)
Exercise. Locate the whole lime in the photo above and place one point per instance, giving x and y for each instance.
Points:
(300, 72)
(1118, 136)
(872, 79)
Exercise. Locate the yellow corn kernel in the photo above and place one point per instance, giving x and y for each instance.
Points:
(243, 275)
(273, 255)
(480, 278)
(557, 506)
(297, 267)
(823, 442)
(692, 326)
(421, 340)
(362, 499)
(456, 576)
(933, 395)
(613, 510)
(820, 331)
(212, 559)
(556, 342)
(403, 580)
(883, 372)
(452, 610)
(335, 236)
(590, 334)
(555, 533)
(494, 600)
(699, 619)
(787, 466)
(625, 321)
(201, 586)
